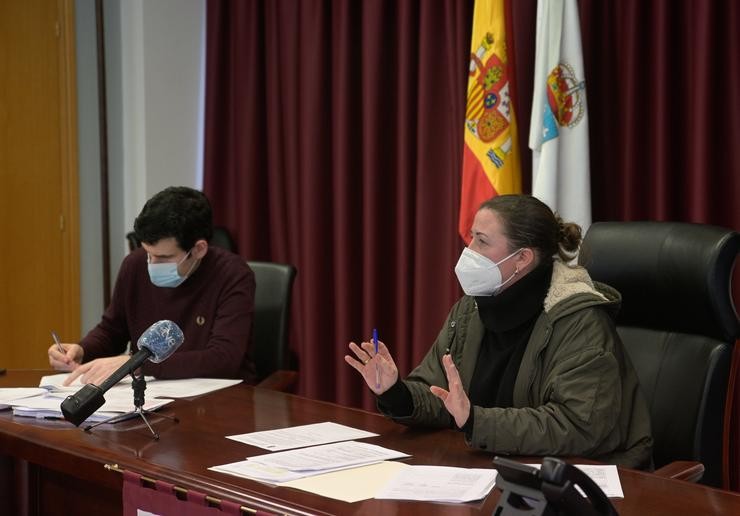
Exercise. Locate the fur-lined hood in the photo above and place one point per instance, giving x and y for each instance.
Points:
(571, 289)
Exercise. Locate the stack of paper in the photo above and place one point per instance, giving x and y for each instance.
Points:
(301, 436)
(439, 484)
(352, 471)
(350, 485)
(10, 396)
(305, 462)
(184, 388)
(45, 401)
(49, 406)
(605, 476)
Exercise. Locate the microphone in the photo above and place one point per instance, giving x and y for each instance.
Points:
(157, 343)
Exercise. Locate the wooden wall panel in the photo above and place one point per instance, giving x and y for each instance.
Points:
(39, 258)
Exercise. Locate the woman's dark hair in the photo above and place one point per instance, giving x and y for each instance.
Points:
(529, 222)
(179, 212)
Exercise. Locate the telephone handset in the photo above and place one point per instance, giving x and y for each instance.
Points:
(548, 491)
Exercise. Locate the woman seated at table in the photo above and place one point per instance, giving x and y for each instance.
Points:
(528, 361)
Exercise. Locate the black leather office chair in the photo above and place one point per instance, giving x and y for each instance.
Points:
(222, 238)
(133, 242)
(679, 326)
(270, 324)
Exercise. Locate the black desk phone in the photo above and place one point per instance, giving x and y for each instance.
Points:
(549, 491)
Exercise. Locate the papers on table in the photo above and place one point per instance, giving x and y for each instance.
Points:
(45, 401)
(352, 471)
(350, 485)
(301, 436)
(290, 465)
(268, 474)
(183, 388)
(187, 387)
(48, 406)
(335, 455)
(439, 484)
(55, 383)
(13, 395)
(605, 476)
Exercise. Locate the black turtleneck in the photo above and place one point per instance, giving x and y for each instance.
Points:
(508, 318)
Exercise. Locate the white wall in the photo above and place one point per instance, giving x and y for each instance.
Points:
(154, 73)
(91, 250)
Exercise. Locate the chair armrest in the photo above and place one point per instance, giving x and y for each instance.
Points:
(281, 380)
(690, 471)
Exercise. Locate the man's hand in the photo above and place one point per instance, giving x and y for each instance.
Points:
(456, 401)
(67, 361)
(96, 371)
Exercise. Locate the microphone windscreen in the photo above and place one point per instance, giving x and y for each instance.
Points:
(161, 338)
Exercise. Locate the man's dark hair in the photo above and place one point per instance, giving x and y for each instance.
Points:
(179, 212)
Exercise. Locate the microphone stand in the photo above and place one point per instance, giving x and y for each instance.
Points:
(138, 384)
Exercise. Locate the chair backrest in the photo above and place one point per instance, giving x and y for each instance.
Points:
(221, 238)
(678, 324)
(271, 315)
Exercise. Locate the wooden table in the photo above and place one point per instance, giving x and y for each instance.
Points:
(51, 467)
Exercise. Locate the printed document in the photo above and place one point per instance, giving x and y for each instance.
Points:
(291, 465)
(328, 456)
(439, 484)
(49, 406)
(350, 485)
(10, 396)
(183, 388)
(301, 436)
(605, 476)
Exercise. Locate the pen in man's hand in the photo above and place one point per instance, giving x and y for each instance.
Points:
(59, 344)
(377, 364)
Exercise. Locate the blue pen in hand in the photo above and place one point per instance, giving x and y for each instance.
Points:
(377, 364)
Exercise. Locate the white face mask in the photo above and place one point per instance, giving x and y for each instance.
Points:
(479, 276)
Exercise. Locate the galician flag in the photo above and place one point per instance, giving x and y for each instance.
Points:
(559, 127)
(491, 152)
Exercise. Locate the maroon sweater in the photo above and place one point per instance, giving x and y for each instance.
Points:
(214, 308)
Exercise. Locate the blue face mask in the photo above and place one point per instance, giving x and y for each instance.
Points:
(166, 275)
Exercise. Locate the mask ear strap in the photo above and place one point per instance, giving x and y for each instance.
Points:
(189, 253)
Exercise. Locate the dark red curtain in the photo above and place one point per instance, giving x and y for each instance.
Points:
(334, 136)
(663, 82)
(333, 142)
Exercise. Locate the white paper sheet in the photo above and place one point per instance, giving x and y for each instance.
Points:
(49, 406)
(328, 456)
(269, 474)
(54, 383)
(439, 484)
(605, 476)
(12, 395)
(301, 436)
(182, 388)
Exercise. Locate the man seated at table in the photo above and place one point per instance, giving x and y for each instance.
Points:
(208, 292)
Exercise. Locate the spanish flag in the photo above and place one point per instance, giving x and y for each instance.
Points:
(491, 153)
